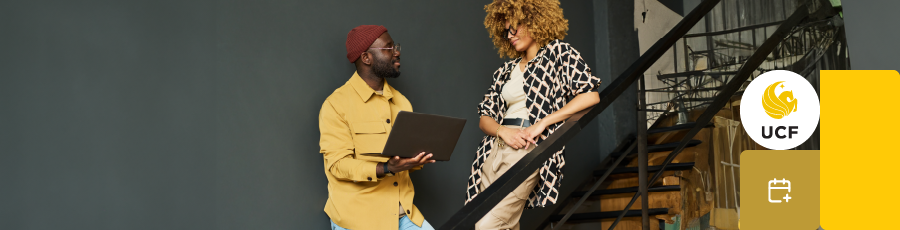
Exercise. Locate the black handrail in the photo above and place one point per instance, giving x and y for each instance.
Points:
(724, 96)
(472, 212)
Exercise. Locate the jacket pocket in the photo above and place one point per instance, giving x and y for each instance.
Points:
(368, 137)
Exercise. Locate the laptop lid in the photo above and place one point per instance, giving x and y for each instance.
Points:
(414, 133)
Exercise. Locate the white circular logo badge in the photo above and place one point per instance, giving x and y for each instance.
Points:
(780, 110)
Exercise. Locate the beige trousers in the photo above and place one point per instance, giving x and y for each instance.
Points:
(507, 213)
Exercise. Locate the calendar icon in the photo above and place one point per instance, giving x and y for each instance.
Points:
(785, 184)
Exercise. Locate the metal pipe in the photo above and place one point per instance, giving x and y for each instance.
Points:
(712, 152)
(734, 186)
(730, 164)
(642, 157)
(710, 50)
(735, 30)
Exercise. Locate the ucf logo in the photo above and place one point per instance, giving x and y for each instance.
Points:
(790, 105)
(781, 106)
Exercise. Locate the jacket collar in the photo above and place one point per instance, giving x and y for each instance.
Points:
(365, 92)
(542, 53)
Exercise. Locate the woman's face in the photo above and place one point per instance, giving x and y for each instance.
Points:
(520, 39)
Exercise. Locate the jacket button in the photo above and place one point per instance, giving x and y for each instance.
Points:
(388, 121)
(407, 212)
(370, 178)
(395, 184)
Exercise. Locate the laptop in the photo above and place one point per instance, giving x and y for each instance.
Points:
(414, 133)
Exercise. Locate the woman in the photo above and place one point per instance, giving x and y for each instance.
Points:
(530, 98)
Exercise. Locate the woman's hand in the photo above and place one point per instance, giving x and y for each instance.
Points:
(531, 134)
(511, 137)
(579, 103)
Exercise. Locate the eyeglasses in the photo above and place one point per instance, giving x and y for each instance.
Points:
(511, 31)
(396, 48)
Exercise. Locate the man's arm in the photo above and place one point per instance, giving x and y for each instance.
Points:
(336, 146)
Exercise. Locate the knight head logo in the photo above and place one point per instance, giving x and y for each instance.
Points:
(781, 105)
(791, 108)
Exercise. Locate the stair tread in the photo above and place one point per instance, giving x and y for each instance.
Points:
(695, 73)
(660, 147)
(608, 215)
(652, 168)
(629, 190)
(676, 127)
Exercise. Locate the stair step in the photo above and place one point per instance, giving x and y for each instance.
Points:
(629, 190)
(677, 127)
(654, 168)
(673, 90)
(608, 215)
(659, 148)
(695, 73)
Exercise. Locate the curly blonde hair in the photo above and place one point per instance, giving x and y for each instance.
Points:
(543, 18)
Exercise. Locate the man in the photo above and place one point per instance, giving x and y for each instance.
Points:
(365, 190)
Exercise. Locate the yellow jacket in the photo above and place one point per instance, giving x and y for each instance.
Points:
(356, 120)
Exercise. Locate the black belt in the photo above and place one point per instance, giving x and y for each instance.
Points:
(517, 122)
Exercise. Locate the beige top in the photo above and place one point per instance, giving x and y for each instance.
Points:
(514, 95)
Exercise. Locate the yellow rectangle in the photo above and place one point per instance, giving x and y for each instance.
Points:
(858, 133)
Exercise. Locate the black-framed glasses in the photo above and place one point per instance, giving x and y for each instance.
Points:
(395, 49)
(510, 31)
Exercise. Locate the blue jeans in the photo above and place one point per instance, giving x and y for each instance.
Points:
(405, 224)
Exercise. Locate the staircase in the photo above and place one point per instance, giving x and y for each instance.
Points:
(603, 206)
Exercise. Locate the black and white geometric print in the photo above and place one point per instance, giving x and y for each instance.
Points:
(552, 78)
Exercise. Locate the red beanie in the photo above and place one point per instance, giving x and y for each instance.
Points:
(360, 38)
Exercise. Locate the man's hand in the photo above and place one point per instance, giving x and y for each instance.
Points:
(398, 164)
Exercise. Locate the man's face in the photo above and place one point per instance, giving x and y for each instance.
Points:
(385, 62)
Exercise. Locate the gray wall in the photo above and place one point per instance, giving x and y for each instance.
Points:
(872, 34)
(203, 115)
(107, 115)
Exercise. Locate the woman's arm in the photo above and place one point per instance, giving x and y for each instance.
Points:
(580, 102)
(580, 82)
(488, 125)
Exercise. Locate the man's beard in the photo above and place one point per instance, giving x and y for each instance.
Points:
(385, 69)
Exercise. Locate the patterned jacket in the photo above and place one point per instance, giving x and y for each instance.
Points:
(552, 78)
